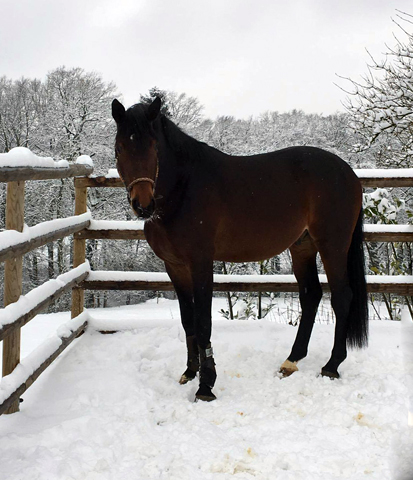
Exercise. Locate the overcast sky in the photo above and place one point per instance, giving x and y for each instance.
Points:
(238, 57)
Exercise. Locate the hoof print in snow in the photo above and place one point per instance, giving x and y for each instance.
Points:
(331, 375)
(205, 394)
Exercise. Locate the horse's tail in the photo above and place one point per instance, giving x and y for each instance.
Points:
(357, 334)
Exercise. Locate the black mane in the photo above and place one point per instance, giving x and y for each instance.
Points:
(181, 143)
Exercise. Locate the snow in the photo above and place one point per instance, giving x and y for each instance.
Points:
(116, 225)
(384, 172)
(29, 301)
(388, 228)
(23, 157)
(9, 238)
(112, 173)
(37, 357)
(111, 407)
(84, 160)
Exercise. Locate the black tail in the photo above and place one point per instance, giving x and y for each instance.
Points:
(357, 334)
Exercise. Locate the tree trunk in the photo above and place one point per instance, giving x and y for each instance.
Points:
(50, 260)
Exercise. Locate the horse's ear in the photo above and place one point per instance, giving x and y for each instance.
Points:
(118, 111)
(154, 109)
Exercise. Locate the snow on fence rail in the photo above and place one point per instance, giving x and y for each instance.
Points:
(17, 314)
(391, 177)
(14, 244)
(20, 164)
(16, 167)
(133, 230)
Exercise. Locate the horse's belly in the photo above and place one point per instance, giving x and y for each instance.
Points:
(255, 244)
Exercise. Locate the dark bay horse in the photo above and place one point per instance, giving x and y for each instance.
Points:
(202, 205)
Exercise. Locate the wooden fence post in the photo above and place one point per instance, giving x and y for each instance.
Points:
(13, 279)
(79, 251)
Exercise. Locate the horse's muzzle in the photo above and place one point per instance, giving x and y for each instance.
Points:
(143, 212)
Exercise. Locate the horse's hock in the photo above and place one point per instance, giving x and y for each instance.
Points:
(18, 311)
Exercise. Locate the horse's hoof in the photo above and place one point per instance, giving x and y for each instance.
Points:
(328, 374)
(185, 379)
(288, 368)
(204, 393)
(187, 376)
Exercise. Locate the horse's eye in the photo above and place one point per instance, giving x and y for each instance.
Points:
(117, 151)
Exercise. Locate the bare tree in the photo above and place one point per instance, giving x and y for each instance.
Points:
(185, 111)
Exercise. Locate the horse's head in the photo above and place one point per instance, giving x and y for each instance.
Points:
(136, 153)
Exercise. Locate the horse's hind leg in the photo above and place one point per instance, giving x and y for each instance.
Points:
(181, 280)
(335, 264)
(304, 255)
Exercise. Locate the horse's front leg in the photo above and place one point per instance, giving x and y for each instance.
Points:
(202, 279)
(182, 281)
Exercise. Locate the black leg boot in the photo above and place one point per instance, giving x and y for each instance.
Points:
(193, 360)
(207, 375)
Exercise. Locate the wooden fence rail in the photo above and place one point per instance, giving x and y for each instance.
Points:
(14, 174)
(103, 280)
(20, 247)
(369, 178)
(114, 230)
(16, 316)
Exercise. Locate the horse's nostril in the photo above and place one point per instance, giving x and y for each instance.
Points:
(135, 205)
(143, 212)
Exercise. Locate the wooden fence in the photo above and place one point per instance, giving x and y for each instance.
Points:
(19, 310)
(401, 284)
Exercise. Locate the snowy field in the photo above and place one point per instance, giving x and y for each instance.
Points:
(110, 408)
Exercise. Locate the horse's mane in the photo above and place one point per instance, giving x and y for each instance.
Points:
(185, 146)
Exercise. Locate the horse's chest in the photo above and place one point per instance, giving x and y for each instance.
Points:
(166, 246)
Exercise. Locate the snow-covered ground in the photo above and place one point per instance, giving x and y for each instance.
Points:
(110, 406)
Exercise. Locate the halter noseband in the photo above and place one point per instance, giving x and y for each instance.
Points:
(138, 180)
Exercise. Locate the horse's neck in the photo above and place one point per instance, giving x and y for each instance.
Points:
(181, 157)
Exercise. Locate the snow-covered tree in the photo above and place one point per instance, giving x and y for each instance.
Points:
(20, 103)
(381, 104)
(76, 118)
(183, 110)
